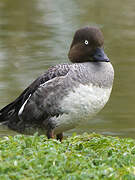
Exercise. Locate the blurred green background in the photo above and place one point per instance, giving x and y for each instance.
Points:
(37, 34)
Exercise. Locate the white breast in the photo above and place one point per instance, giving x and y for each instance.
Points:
(81, 104)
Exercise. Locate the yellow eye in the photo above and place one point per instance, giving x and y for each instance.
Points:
(86, 42)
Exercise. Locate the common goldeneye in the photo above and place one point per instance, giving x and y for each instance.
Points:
(67, 95)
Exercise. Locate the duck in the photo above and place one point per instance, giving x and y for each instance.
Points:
(66, 95)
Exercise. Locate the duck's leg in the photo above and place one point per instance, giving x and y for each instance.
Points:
(50, 133)
(59, 136)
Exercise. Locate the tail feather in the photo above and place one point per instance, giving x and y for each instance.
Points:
(9, 115)
(11, 110)
(7, 112)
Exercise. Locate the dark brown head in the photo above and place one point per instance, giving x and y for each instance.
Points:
(87, 45)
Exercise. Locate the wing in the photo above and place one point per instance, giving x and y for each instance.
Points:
(45, 101)
(11, 110)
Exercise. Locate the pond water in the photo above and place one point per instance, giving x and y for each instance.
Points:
(37, 34)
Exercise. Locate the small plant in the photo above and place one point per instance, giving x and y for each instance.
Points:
(78, 157)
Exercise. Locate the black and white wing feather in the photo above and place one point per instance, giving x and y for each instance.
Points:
(10, 112)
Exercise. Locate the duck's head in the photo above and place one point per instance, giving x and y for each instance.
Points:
(87, 45)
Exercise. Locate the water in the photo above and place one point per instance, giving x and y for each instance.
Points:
(37, 34)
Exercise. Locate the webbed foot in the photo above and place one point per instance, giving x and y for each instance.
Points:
(59, 136)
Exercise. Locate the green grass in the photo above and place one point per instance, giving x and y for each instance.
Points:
(78, 157)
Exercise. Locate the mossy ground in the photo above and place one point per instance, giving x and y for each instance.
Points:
(78, 157)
